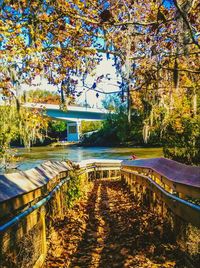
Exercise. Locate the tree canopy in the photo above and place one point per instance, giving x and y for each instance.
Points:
(155, 45)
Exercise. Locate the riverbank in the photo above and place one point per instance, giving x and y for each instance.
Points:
(98, 141)
(63, 143)
(127, 144)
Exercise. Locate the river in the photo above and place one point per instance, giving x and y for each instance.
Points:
(37, 155)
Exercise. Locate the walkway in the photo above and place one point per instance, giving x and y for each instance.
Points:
(109, 229)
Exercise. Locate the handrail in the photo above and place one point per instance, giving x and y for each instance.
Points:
(186, 210)
(32, 208)
(32, 185)
(53, 189)
(171, 175)
(164, 191)
(19, 189)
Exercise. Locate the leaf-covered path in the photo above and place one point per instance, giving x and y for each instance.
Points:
(109, 229)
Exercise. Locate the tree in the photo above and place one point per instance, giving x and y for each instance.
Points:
(57, 129)
(88, 126)
(42, 96)
(25, 124)
(155, 45)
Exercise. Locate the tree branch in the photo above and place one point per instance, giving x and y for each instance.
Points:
(184, 16)
(182, 70)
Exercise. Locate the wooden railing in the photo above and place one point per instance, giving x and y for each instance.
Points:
(29, 203)
(161, 185)
(151, 193)
(171, 190)
(176, 178)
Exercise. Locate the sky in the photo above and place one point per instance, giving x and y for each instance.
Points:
(105, 67)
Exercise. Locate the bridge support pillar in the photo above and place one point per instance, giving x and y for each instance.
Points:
(73, 131)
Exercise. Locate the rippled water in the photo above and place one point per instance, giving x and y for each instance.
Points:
(37, 155)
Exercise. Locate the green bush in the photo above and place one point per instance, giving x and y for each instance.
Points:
(74, 190)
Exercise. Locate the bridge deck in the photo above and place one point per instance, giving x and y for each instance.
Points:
(109, 229)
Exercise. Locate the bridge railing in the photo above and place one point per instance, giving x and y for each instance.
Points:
(184, 191)
(31, 201)
(169, 197)
(28, 202)
(98, 169)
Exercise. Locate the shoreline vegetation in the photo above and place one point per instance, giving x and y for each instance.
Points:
(180, 140)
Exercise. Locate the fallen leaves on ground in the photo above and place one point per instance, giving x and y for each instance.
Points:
(109, 229)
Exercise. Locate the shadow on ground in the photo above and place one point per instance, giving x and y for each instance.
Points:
(110, 229)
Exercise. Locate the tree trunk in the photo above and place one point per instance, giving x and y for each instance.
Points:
(128, 70)
(129, 110)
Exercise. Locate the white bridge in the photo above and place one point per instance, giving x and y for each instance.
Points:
(73, 115)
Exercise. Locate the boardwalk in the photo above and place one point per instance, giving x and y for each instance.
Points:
(110, 229)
